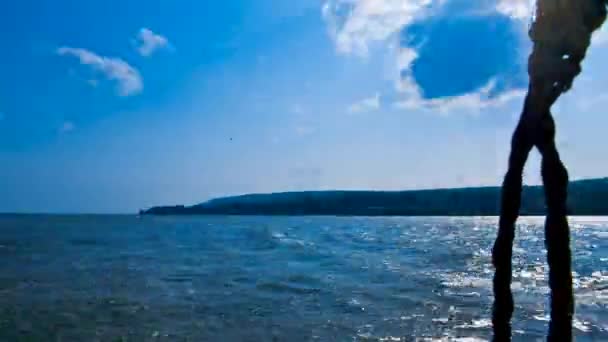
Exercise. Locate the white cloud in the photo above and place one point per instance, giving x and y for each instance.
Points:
(67, 127)
(516, 9)
(408, 85)
(128, 78)
(411, 95)
(365, 105)
(405, 58)
(471, 102)
(600, 37)
(354, 24)
(150, 42)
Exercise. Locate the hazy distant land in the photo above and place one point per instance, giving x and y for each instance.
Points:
(586, 197)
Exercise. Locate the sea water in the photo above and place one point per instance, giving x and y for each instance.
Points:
(231, 278)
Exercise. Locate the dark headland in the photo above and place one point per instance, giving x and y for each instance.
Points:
(586, 197)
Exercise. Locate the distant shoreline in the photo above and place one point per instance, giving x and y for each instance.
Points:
(586, 198)
(136, 215)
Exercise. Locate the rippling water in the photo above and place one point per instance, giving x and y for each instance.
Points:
(109, 278)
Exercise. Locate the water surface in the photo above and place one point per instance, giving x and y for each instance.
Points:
(109, 278)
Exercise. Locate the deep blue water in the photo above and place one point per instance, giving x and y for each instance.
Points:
(123, 278)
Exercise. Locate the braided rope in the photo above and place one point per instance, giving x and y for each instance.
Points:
(561, 32)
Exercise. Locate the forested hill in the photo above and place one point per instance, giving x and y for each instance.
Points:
(586, 197)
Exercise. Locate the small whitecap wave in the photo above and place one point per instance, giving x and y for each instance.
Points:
(601, 235)
(442, 320)
(578, 324)
(476, 324)
(542, 318)
(286, 240)
(354, 302)
(451, 339)
(581, 325)
(458, 280)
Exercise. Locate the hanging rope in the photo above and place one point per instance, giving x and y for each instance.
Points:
(561, 32)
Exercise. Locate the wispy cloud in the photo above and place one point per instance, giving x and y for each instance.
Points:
(355, 24)
(115, 69)
(66, 127)
(411, 96)
(516, 9)
(365, 105)
(149, 42)
(471, 102)
(600, 37)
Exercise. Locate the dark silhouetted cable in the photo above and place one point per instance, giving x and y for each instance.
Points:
(561, 33)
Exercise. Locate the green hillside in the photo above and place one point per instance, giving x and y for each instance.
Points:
(586, 197)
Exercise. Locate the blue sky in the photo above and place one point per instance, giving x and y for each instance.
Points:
(111, 106)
